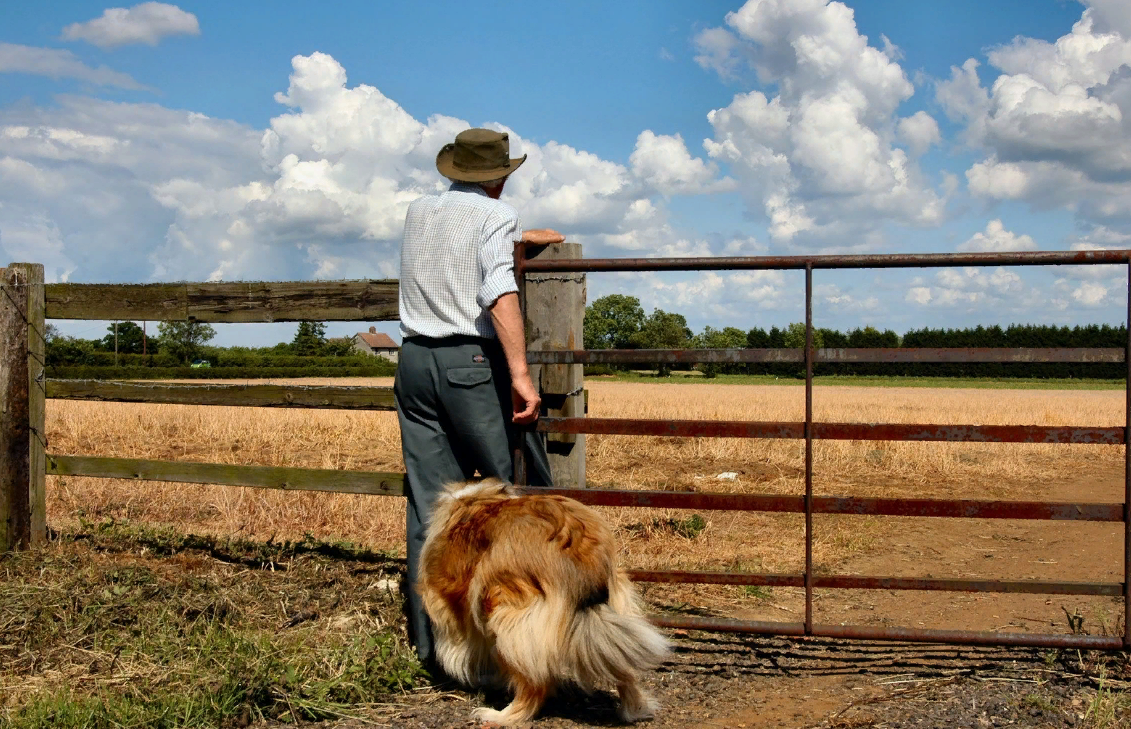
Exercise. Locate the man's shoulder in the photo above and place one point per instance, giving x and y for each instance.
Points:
(429, 198)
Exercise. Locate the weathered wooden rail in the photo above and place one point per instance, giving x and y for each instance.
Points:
(263, 477)
(554, 297)
(236, 302)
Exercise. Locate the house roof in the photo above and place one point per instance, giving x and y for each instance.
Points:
(377, 341)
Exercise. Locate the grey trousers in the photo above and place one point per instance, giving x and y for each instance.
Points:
(454, 404)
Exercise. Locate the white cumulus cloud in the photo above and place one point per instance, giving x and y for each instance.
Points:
(975, 290)
(1090, 294)
(996, 238)
(57, 63)
(663, 162)
(140, 192)
(1055, 123)
(818, 158)
(919, 132)
(145, 23)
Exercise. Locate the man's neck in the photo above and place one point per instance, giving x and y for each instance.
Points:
(492, 192)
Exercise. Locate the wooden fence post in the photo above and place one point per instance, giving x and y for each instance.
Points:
(23, 436)
(555, 312)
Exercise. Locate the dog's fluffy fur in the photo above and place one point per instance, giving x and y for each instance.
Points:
(526, 588)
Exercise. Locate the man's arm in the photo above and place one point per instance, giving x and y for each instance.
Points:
(507, 318)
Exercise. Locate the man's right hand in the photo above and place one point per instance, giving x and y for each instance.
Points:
(542, 236)
(526, 400)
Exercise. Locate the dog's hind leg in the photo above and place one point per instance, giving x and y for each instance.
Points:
(634, 703)
(528, 700)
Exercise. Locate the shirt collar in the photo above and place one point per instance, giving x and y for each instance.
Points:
(467, 187)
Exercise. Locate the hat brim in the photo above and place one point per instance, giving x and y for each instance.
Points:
(445, 164)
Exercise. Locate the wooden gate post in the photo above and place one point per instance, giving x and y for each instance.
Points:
(23, 437)
(555, 312)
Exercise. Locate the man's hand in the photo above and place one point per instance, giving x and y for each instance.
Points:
(507, 318)
(526, 400)
(542, 236)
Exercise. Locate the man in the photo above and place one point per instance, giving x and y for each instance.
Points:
(463, 388)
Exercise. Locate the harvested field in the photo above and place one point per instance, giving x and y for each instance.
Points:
(370, 441)
(712, 540)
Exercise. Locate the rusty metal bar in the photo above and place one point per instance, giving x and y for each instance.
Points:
(834, 431)
(1127, 480)
(728, 625)
(520, 264)
(1032, 587)
(909, 635)
(897, 260)
(1083, 355)
(808, 449)
(705, 577)
(858, 582)
(962, 508)
(969, 637)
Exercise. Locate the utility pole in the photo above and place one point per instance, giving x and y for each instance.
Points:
(143, 339)
(115, 344)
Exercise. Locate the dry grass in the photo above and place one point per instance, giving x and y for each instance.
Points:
(119, 626)
(370, 441)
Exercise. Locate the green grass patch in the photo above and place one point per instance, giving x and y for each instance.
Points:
(123, 626)
(757, 592)
(996, 383)
(688, 528)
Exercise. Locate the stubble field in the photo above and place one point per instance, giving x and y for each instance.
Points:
(650, 538)
(307, 632)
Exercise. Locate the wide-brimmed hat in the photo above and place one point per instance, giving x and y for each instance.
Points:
(478, 155)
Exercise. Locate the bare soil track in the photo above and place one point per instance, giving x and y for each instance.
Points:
(741, 681)
(719, 680)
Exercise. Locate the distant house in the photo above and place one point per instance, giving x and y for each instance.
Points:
(372, 342)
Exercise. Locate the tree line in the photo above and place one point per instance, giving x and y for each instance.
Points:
(129, 351)
(618, 321)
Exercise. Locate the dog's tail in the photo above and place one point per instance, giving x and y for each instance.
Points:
(610, 641)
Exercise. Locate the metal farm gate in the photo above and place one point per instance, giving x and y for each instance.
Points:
(26, 302)
(810, 430)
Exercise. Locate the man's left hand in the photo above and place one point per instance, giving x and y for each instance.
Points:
(542, 236)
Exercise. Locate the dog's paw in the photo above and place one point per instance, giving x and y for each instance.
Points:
(640, 711)
(489, 717)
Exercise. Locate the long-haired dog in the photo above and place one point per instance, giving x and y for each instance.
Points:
(526, 588)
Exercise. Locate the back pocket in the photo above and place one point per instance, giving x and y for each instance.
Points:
(469, 376)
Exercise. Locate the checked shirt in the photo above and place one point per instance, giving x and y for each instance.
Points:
(457, 259)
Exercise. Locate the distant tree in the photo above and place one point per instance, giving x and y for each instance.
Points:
(871, 337)
(663, 330)
(794, 336)
(340, 347)
(183, 339)
(310, 338)
(51, 333)
(612, 321)
(64, 350)
(833, 338)
(728, 338)
(757, 338)
(130, 338)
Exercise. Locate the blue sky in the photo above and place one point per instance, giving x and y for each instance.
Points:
(282, 140)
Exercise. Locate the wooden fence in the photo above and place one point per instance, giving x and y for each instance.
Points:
(26, 302)
(552, 287)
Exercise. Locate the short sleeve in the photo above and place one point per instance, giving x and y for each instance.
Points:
(496, 255)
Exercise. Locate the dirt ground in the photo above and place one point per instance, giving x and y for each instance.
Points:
(720, 680)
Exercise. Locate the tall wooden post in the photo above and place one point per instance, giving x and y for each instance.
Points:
(555, 311)
(23, 436)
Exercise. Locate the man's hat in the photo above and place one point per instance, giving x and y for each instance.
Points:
(478, 155)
